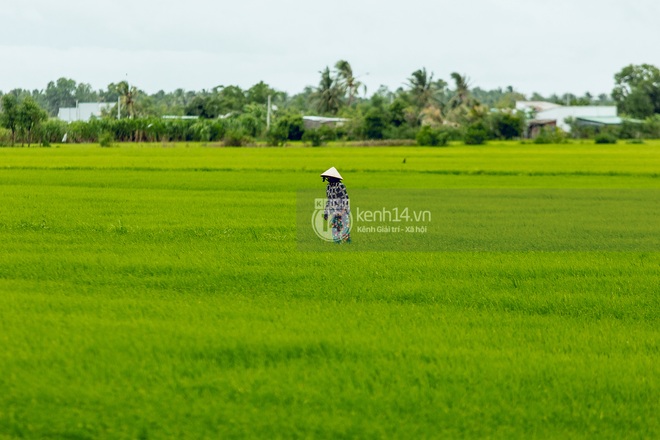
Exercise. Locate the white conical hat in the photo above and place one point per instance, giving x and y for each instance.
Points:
(332, 172)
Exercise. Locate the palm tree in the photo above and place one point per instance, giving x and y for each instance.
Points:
(463, 107)
(127, 94)
(327, 95)
(462, 93)
(422, 87)
(348, 81)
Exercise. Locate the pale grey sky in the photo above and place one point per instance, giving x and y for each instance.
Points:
(545, 46)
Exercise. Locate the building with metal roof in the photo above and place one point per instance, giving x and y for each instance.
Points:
(599, 121)
(84, 111)
(535, 106)
(562, 113)
(318, 121)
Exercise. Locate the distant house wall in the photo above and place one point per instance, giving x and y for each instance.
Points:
(83, 112)
(535, 126)
(311, 122)
(561, 113)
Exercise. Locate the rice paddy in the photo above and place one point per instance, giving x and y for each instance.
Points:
(160, 291)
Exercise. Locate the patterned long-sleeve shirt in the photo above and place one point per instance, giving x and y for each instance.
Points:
(337, 199)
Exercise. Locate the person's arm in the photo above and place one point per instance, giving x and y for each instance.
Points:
(343, 197)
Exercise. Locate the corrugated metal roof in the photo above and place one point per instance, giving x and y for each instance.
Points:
(535, 105)
(323, 119)
(604, 120)
(542, 121)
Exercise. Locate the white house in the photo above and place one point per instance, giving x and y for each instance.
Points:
(83, 111)
(560, 114)
(548, 113)
(535, 106)
(317, 121)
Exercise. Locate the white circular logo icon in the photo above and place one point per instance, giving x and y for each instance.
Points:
(335, 227)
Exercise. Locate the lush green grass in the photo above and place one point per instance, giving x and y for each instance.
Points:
(495, 158)
(159, 293)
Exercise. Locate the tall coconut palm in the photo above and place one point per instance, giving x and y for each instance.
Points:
(327, 95)
(421, 87)
(347, 80)
(127, 95)
(463, 107)
(462, 93)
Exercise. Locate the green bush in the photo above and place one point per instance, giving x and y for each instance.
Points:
(650, 128)
(397, 112)
(179, 130)
(506, 125)
(217, 129)
(250, 125)
(52, 131)
(375, 121)
(550, 135)
(400, 132)
(314, 137)
(79, 131)
(605, 138)
(431, 137)
(579, 131)
(125, 130)
(234, 138)
(5, 137)
(353, 129)
(630, 130)
(475, 134)
(154, 130)
(201, 131)
(277, 135)
(106, 139)
(292, 125)
(328, 133)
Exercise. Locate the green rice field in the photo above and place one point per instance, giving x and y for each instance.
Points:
(160, 292)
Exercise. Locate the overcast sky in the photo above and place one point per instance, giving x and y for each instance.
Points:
(544, 46)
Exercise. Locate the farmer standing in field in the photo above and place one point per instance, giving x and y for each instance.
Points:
(337, 207)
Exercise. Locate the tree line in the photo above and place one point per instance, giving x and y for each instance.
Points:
(425, 108)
